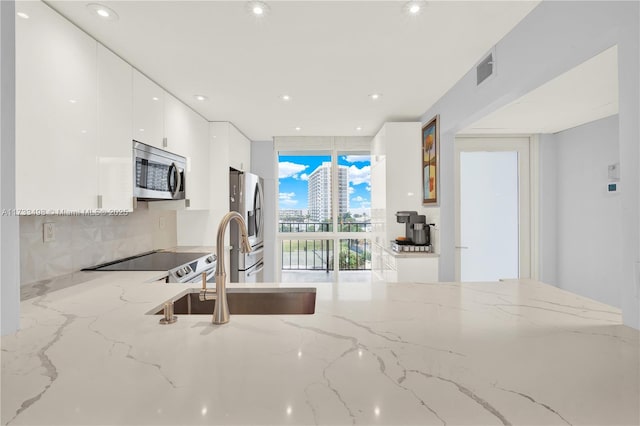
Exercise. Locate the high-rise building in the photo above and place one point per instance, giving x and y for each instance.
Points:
(319, 192)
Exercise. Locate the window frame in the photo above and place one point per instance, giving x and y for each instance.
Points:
(333, 146)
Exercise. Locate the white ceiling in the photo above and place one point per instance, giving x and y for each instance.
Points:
(327, 55)
(583, 94)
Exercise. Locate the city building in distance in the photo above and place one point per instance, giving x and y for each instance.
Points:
(319, 192)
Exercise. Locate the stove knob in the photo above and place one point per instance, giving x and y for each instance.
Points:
(211, 259)
(180, 273)
(187, 269)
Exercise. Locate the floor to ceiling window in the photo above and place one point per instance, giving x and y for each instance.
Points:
(324, 214)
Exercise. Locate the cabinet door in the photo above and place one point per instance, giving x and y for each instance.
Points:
(239, 150)
(198, 166)
(56, 130)
(219, 166)
(115, 110)
(178, 125)
(148, 111)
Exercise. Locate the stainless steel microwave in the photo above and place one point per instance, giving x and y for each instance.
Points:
(157, 174)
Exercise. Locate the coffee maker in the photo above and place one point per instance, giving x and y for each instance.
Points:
(417, 232)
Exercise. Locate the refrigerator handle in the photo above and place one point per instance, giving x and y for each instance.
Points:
(260, 268)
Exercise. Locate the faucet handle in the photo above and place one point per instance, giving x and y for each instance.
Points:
(204, 280)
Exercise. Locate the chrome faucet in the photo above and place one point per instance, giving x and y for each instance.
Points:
(221, 309)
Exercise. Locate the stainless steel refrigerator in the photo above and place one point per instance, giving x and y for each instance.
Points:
(246, 196)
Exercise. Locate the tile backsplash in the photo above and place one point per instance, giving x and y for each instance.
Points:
(82, 241)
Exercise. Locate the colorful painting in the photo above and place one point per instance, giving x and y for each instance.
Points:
(430, 141)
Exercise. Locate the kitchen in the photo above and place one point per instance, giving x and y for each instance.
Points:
(396, 353)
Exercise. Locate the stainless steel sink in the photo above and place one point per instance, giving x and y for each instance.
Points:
(263, 301)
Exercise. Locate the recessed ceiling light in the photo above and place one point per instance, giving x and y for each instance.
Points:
(298, 129)
(258, 8)
(358, 128)
(103, 11)
(414, 7)
(72, 101)
(155, 98)
(200, 97)
(22, 15)
(375, 96)
(285, 97)
(141, 130)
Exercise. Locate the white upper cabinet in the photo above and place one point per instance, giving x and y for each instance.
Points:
(78, 108)
(56, 118)
(115, 110)
(239, 150)
(148, 111)
(178, 125)
(198, 167)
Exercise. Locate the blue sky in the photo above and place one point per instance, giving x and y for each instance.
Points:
(293, 172)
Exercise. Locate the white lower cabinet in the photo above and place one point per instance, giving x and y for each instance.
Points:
(56, 118)
(404, 267)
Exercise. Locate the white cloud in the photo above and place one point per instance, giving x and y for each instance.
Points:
(288, 169)
(358, 176)
(287, 198)
(351, 190)
(304, 176)
(368, 188)
(357, 158)
(357, 199)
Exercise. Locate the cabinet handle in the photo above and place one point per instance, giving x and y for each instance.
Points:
(462, 247)
(99, 201)
(165, 142)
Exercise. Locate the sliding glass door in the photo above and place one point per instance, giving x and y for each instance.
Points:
(323, 214)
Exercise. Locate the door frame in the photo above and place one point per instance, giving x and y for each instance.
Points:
(528, 207)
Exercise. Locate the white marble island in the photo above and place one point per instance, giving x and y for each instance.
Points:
(443, 354)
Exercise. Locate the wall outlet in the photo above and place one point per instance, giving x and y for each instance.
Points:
(49, 232)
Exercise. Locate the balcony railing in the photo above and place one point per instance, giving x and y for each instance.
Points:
(324, 227)
(317, 254)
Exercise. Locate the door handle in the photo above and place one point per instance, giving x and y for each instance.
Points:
(177, 180)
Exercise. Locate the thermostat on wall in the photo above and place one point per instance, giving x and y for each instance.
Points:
(613, 187)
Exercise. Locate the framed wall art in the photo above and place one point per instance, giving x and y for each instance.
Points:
(430, 153)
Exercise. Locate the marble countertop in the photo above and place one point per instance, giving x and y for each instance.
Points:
(510, 353)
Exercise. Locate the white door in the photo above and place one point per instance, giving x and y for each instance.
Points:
(493, 226)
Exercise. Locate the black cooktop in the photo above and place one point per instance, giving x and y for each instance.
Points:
(152, 261)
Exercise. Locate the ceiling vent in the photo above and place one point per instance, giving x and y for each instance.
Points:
(485, 68)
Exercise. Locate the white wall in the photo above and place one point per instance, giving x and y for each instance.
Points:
(9, 247)
(263, 163)
(552, 39)
(548, 209)
(589, 233)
